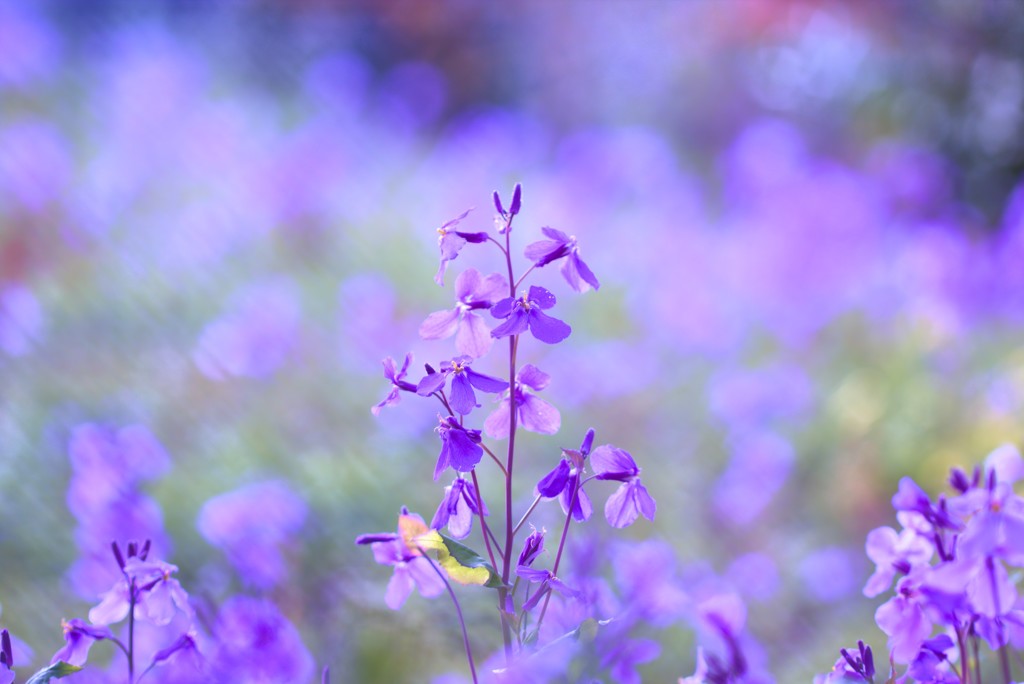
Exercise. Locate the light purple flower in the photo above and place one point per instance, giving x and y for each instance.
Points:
(464, 379)
(904, 619)
(532, 413)
(472, 293)
(894, 552)
(559, 246)
(256, 336)
(460, 448)
(457, 509)
(533, 546)
(412, 570)
(563, 481)
(631, 499)
(158, 595)
(250, 524)
(452, 241)
(528, 312)
(79, 637)
(398, 383)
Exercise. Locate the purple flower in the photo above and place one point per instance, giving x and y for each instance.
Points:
(559, 246)
(563, 481)
(256, 643)
(532, 547)
(460, 448)
(932, 664)
(892, 553)
(532, 412)
(412, 568)
(397, 383)
(250, 524)
(79, 637)
(528, 312)
(472, 293)
(513, 209)
(904, 620)
(452, 241)
(631, 498)
(464, 379)
(256, 336)
(850, 667)
(457, 508)
(184, 650)
(157, 595)
(6, 658)
(547, 582)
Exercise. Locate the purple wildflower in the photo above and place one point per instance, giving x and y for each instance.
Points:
(528, 312)
(932, 662)
(460, 448)
(532, 412)
(158, 596)
(532, 547)
(256, 643)
(457, 508)
(513, 209)
(250, 524)
(563, 481)
(904, 620)
(472, 293)
(412, 568)
(184, 650)
(79, 637)
(851, 667)
(452, 241)
(397, 383)
(464, 379)
(6, 658)
(894, 552)
(547, 582)
(631, 498)
(559, 246)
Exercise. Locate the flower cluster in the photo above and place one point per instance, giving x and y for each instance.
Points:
(953, 567)
(489, 309)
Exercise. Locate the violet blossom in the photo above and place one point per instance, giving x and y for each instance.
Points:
(412, 569)
(398, 383)
(256, 643)
(464, 379)
(563, 481)
(457, 508)
(157, 595)
(562, 246)
(631, 499)
(527, 311)
(451, 243)
(79, 637)
(532, 413)
(472, 293)
(460, 448)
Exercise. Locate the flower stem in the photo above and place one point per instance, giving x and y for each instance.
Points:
(526, 515)
(131, 631)
(483, 518)
(458, 612)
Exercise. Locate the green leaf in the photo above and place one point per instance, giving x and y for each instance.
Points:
(57, 670)
(468, 558)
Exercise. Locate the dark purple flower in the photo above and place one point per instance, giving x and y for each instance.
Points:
(464, 379)
(452, 241)
(398, 384)
(532, 412)
(931, 663)
(562, 246)
(528, 312)
(563, 481)
(6, 658)
(631, 498)
(457, 508)
(79, 637)
(472, 293)
(460, 448)
(251, 524)
(412, 568)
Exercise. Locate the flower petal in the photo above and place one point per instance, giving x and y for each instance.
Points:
(537, 415)
(473, 337)
(546, 328)
(439, 325)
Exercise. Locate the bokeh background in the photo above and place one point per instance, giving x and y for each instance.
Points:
(217, 218)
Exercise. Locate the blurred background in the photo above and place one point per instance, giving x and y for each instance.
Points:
(217, 218)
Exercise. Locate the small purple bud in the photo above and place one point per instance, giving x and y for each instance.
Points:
(588, 442)
(869, 659)
(517, 196)
(976, 478)
(6, 652)
(532, 547)
(497, 203)
(991, 480)
(144, 551)
(117, 554)
(430, 369)
(958, 480)
(133, 549)
(850, 659)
